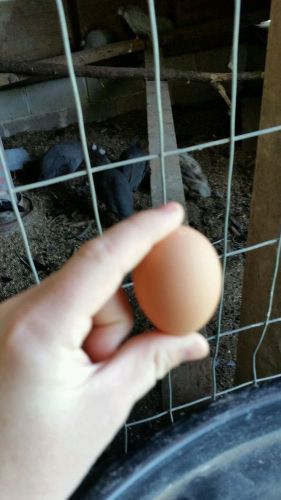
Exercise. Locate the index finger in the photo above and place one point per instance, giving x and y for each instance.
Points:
(96, 271)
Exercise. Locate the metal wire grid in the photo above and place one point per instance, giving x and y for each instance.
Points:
(163, 155)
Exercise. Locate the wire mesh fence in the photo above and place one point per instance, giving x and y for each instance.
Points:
(163, 155)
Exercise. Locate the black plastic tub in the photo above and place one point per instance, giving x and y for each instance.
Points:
(230, 451)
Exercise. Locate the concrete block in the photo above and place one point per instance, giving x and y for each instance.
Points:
(13, 104)
(99, 90)
(62, 118)
(54, 95)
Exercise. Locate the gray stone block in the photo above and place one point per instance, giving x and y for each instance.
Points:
(13, 104)
(54, 95)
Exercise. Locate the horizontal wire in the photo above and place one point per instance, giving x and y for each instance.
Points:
(250, 248)
(227, 333)
(81, 173)
(201, 400)
(189, 149)
(269, 309)
(178, 151)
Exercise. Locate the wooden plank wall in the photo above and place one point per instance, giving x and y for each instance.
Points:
(29, 29)
(265, 224)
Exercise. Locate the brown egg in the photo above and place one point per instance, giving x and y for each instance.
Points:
(178, 284)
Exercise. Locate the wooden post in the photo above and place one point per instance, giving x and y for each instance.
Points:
(175, 189)
(265, 223)
(192, 380)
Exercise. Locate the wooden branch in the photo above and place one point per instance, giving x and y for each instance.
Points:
(60, 70)
(221, 90)
(82, 57)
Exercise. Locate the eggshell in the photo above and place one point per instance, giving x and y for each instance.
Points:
(178, 284)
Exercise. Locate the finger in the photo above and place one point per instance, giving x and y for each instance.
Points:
(96, 271)
(143, 360)
(110, 326)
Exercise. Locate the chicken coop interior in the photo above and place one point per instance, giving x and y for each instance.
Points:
(230, 188)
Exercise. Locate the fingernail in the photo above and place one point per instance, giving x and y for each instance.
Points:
(196, 348)
(171, 207)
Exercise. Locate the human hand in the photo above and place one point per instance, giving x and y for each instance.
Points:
(67, 379)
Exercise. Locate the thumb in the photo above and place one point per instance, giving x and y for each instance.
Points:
(146, 358)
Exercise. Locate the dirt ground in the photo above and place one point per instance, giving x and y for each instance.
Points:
(62, 219)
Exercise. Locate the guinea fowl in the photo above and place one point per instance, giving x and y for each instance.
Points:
(139, 21)
(136, 172)
(62, 158)
(112, 186)
(194, 180)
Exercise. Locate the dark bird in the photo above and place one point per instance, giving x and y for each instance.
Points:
(194, 180)
(139, 21)
(136, 172)
(113, 188)
(62, 158)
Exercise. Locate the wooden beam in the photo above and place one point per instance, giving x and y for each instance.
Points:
(265, 223)
(189, 381)
(175, 189)
(90, 56)
(80, 58)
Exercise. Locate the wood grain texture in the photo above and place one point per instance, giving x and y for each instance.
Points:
(173, 173)
(265, 223)
(29, 30)
(189, 381)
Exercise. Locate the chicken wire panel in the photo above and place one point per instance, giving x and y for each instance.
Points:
(226, 254)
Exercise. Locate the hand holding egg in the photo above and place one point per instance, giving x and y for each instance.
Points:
(178, 284)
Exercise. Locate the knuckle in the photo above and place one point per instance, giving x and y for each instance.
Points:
(96, 249)
(104, 247)
(159, 358)
(15, 336)
(163, 362)
(101, 251)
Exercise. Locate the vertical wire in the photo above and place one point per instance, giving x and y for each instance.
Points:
(269, 310)
(157, 73)
(79, 111)
(235, 45)
(126, 440)
(170, 395)
(156, 58)
(10, 186)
